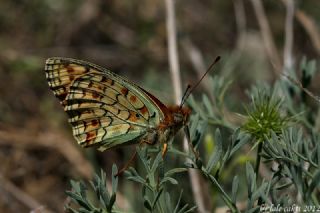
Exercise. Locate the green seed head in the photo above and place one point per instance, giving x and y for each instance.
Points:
(264, 116)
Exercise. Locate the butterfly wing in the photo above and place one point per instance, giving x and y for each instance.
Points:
(104, 109)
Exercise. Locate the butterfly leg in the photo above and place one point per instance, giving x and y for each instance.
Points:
(164, 149)
(143, 141)
(147, 142)
(127, 164)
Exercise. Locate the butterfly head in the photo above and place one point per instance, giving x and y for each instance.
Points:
(180, 115)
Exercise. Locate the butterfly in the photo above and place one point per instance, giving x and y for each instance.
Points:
(106, 110)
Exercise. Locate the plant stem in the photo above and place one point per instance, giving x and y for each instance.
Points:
(224, 195)
(258, 160)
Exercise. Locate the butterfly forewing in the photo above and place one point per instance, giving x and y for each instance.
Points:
(104, 109)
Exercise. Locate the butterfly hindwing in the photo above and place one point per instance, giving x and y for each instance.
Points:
(104, 109)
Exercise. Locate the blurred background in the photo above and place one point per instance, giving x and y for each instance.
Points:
(38, 154)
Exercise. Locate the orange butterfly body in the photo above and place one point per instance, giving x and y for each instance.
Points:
(107, 110)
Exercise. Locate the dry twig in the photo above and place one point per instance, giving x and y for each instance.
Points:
(241, 22)
(26, 138)
(267, 35)
(21, 196)
(309, 25)
(173, 50)
(287, 53)
(311, 28)
(56, 141)
(175, 72)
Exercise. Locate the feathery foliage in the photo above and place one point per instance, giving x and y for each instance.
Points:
(280, 121)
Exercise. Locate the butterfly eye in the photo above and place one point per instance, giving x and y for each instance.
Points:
(137, 115)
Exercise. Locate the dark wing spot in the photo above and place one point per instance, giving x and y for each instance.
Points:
(153, 115)
(133, 116)
(107, 80)
(71, 77)
(124, 91)
(62, 96)
(90, 136)
(104, 79)
(94, 122)
(144, 110)
(85, 124)
(95, 95)
(133, 98)
(70, 69)
(111, 82)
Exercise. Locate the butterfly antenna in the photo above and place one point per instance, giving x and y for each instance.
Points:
(189, 91)
(184, 95)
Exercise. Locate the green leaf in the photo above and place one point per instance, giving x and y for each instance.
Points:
(102, 190)
(82, 210)
(259, 192)
(215, 156)
(254, 210)
(147, 203)
(69, 209)
(83, 189)
(169, 179)
(174, 171)
(239, 142)
(194, 124)
(114, 179)
(157, 198)
(131, 172)
(191, 209)
(75, 186)
(283, 186)
(168, 202)
(145, 162)
(314, 184)
(79, 199)
(156, 162)
(183, 208)
(207, 105)
(137, 179)
(251, 178)
(318, 154)
(178, 203)
(112, 201)
(235, 185)
(199, 111)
